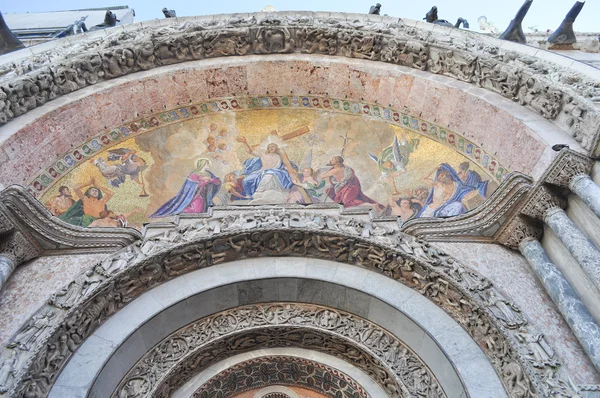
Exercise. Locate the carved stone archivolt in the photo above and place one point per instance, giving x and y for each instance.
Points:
(281, 370)
(48, 340)
(548, 89)
(188, 351)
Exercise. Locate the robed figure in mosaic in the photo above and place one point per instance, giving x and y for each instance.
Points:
(196, 194)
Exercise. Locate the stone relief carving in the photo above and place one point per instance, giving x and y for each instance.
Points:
(185, 352)
(289, 371)
(519, 230)
(490, 318)
(542, 199)
(550, 90)
(567, 165)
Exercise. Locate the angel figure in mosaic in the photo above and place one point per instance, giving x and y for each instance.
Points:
(392, 161)
(124, 162)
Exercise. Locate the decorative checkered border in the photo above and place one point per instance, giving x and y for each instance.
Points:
(45, 180)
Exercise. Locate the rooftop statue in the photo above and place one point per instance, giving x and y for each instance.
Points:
(514, 32)
(8, 41)
(375, 9)
(169, 13)
(110, 20)
(432, 17)
(564, 34)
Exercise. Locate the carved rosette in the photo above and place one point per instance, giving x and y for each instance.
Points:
(520, 229)
(541, 201)
(566, 166)
(466, 296)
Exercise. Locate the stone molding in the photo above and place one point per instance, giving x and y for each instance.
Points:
(281, 370)
(492, 320)
(480, 224)
(485, 62)
(41, 233)
(199, 345)
(567, 165)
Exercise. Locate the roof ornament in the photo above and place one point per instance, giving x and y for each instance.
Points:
(169, 13)
(564, 34)
(8, 41)
(375, 9)
(514, 32)
(432, 17)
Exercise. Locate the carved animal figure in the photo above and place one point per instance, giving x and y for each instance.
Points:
(432, 17)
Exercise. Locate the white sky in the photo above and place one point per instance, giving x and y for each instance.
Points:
(545, 14)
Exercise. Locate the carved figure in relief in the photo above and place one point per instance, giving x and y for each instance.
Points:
(69, 295)
(273, 40)
(504, 310)
(7, 371)
(28, 336)
(541, 354)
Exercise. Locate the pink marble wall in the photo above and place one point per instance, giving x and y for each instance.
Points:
(510, 273)
(30, 286)
(33, 144)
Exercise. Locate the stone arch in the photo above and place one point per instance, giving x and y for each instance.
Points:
(432, 334)
(496, 67)
(470, 299)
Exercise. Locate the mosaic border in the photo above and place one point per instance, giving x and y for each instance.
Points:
(46, 179)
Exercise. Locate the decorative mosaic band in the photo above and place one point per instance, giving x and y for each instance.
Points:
(80, 154)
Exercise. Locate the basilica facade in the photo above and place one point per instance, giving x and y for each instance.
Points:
(298, 204)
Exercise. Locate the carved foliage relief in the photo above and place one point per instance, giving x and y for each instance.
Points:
(186, 352)
(45, 343)
(478, 61)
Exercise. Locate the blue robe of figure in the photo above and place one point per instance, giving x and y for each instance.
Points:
(195, 196)
(474, 181)
(254, 175)
(453, 206)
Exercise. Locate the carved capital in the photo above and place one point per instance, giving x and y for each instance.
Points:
(519, 230)
(18, 248)
(541, 201)
(566, 166)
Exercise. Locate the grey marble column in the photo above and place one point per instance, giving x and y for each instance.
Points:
(584, 187)
(7, 266)
(562, 293)
(578, 244)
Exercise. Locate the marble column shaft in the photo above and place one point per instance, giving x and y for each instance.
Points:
(584, 187)
(576, 241)
(566, 299)
(7, 266)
